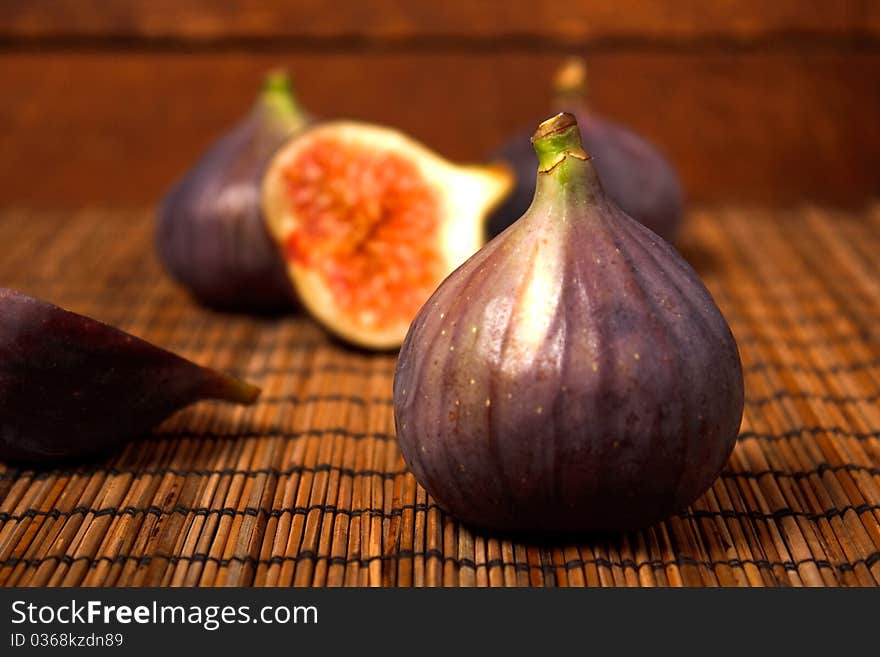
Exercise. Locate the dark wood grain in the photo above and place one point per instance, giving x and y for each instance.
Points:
(581, 22)
(771, 127)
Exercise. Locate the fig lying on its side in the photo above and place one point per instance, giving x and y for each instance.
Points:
(211, 235)
(70, 385)
(574, 374)
(371, 222)
(634, 174)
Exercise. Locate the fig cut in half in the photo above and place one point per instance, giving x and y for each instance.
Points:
(371, 222)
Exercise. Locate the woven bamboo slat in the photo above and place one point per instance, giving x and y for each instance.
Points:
(308, 487)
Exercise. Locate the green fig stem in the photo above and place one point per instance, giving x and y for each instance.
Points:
(280, 99)
(557, 138)
(277, 80)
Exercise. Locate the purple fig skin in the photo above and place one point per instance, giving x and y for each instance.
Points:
(211, 235)
(634, 174)
(574, 375)
(72, 386)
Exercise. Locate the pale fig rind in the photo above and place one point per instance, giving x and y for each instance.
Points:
(573, 375)
(71, 385)
(211, 235)
(464, 194)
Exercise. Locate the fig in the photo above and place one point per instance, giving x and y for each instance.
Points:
(211, 236)
(575, 374)
(370, 222)
(71, 385)
(634, 174)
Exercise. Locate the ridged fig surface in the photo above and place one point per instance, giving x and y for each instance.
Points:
(573, 375)
(70, 385)
(633, 172)
(211, 235)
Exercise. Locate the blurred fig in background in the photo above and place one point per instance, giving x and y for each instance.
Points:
(211, 235)
(634, 174)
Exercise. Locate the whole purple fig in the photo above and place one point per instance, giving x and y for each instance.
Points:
(211, 235)
(634, 174)
(71, 385)
(574, 374)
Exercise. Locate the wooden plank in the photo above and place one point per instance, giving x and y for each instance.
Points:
(81, 127)
(571, 22)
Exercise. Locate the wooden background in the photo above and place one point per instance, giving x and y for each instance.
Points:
(104, 103)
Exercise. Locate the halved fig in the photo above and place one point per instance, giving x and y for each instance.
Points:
(371, 222)
(71, 385)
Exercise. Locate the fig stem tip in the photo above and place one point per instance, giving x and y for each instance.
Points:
(279, 98)
(555, 138)
(559, 123)
(277, 80)
(232, 389)
(571, 78)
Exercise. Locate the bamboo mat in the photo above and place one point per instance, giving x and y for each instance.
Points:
(308, 487)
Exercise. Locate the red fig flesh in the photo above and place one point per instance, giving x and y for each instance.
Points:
(633, 173)
(370, 222)
(574, 374)
(70, 385)
(211, 234)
